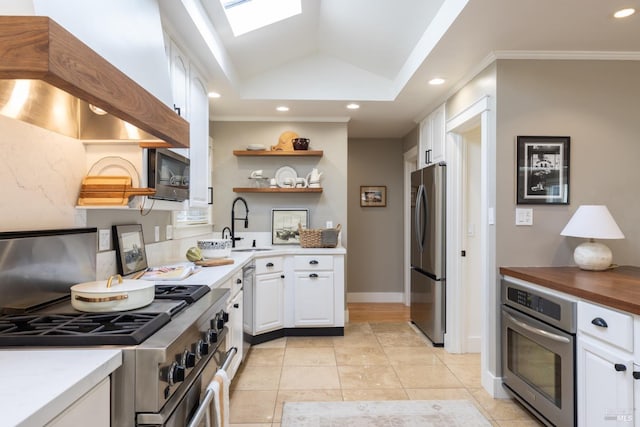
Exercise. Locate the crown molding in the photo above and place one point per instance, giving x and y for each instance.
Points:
(568, 55)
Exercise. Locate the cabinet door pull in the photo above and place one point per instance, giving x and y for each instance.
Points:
(619, 367)
(313, 275)
(176, 109)
(269, 264)
(636, 375)
(238, 281)
(599, 321)
(236, 305)
(282, 276)
(314, 262)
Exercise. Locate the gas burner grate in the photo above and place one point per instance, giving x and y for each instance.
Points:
(79, 329)
(188, 293)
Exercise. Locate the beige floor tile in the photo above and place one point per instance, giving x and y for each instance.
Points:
(257, 378)
(368, 377)
(251, 425)
(391, 339)
(412, 356)
(500, 409)
(309, 378)
(252, 406)
(440, 394)
(375, 394)
(469, 375)
(397, 328)
(361, 356)
(304, 396)
(458, 358)
(277, 343)
(309, 356)
(421, 376)
(265, 357)
(519, 423)
(362, 340)
(357, 329)
(309, 341)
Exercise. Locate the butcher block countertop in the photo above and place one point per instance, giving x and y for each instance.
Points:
(616, 288)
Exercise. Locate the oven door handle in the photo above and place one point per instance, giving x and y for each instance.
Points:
(202, 411)
(539, 331)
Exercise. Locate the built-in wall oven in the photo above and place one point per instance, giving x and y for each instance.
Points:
(539, 351)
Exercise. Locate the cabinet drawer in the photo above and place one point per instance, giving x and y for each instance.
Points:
(313, 262)
(269, 264)
(616, 327)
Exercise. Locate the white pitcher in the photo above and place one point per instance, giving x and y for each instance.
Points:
(314, 176)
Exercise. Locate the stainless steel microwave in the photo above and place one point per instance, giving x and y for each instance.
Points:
(168, 173)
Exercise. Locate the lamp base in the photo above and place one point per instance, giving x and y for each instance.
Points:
(592, 256)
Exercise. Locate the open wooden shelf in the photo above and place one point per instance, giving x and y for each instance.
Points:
(266, 153)
(276, 190)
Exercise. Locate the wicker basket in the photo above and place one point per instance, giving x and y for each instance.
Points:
(319, 238)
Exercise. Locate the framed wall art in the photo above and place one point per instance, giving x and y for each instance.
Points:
(284, 225)
(130, 253)
(543, 170)
(373, 195)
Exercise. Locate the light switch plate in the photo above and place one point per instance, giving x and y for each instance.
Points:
(104, 239)
(524, 216)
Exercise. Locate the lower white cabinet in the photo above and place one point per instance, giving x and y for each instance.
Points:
(91, 409)
(313, 298)
(269, 302)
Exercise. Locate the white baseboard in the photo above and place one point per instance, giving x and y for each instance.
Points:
(493, 385)
(473, 344)
(375, 297)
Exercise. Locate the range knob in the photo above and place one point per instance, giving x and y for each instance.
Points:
(175, 374)
(225, 316)
(219, 323)
(202, 348)
(212, 336)
(188, 359)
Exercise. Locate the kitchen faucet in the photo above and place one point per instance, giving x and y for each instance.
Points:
(233, 219)
(225, 230)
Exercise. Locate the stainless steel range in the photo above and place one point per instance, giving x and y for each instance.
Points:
(171, 348)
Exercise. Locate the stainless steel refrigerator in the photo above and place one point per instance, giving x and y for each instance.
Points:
(428, 251)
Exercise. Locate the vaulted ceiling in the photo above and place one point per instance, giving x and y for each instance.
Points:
(381, 53)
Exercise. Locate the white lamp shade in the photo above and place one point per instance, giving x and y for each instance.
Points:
(592, 222)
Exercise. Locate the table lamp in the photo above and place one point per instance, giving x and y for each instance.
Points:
(592, 222)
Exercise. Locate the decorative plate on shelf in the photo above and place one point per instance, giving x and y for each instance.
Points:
(256, 147)
(115, 166)
(286, 174)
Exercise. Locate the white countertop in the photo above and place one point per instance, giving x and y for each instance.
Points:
(37, 385)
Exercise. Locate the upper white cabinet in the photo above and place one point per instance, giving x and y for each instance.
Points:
(431, 145)
(191, 101)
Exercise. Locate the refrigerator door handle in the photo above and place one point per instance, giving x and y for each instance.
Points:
(420, 217)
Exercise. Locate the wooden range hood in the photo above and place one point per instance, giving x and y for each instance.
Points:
(62, 71)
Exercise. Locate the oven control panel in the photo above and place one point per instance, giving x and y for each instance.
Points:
(534, 302)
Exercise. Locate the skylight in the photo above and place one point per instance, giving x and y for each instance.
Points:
(249, 15)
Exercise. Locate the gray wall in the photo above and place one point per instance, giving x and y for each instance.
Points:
(597, 104)
(376, 244)
(231, 171)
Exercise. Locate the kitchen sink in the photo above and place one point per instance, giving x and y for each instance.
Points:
(251, 249)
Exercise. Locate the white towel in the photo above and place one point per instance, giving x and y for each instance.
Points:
(214, 410)
(220, 387)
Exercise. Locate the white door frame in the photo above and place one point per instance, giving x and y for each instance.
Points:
(410, 164)
(480, 112)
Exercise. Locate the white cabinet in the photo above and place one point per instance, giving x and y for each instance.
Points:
(192, 103)
(235, 308)
(91, 409)
(605, 382)
(313, 291)
(268, 295)
(431, 144)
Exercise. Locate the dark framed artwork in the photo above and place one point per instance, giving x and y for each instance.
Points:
(130, 252)
(543, 170)
(284, 225)
(373, 195)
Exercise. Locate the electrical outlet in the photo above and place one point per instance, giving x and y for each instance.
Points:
(104, 239)
(156, 233)
(169, 232)
(329, 224)
(524, 216)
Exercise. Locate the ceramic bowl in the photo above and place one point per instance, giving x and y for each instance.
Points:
(300, 143)
(215, 248)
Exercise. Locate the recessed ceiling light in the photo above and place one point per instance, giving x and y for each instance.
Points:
(436, 81)
(353, 106)
(623, 13)
(214, 95)
(282, 108)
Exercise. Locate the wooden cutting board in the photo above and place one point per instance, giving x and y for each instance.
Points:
(214, 262)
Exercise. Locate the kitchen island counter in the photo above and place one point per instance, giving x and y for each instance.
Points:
(38, 384)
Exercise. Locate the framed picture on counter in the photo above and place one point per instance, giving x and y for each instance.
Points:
(130, 253)
(284, 225)
(543, 170)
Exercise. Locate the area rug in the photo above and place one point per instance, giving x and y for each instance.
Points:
(391, 413)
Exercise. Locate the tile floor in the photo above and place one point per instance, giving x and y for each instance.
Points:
(372, 361)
